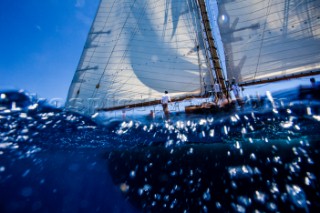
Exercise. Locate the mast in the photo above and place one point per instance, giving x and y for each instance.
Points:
(212, 49)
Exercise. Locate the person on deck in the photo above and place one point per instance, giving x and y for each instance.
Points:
(310, 92)
(236, 91)
(315, 89)
(164, 101)
(217, 91)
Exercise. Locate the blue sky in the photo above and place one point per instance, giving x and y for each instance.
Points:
(41, 43)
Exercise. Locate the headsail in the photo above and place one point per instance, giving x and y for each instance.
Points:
(270, 39)
(138, 49)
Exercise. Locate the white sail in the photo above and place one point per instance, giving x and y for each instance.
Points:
(136, 50)
(270, 39)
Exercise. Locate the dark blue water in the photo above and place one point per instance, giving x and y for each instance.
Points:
(254, 160)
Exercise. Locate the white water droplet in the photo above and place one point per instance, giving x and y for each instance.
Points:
(132, 174)
(206, 195)
(297, 196)
(253, 156)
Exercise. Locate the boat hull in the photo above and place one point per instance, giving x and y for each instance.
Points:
(209, 108)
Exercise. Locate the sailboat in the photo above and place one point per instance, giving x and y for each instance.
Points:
(136, 50)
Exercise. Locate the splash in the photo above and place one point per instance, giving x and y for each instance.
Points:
(241, 162)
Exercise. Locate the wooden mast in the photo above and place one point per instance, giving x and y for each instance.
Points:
(212, 48)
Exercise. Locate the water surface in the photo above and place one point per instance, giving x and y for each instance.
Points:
(259, 159)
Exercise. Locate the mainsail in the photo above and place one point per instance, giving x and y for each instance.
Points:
(266, 40)
(136, 50)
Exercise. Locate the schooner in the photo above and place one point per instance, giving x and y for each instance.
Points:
(136, 50)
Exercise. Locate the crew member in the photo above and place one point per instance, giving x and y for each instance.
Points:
(164, 101)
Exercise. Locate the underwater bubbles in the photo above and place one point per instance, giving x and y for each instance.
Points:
(297, 196)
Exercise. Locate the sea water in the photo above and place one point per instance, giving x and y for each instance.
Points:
(254, 160)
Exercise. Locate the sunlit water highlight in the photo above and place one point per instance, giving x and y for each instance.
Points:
(251, 161)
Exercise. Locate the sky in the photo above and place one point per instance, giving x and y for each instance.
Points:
(41, 43)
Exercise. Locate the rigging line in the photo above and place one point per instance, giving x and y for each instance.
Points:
(272, 5)
(148, 71)
(151, 18)
(126, 51)
(212, 74)
(160, 80)
(119, 34)
(283, 73)
(256, 3)
(275, 12)
(164, 58)
(313, 56)
(213, 51)
(147, 29)
(309, 24)
(265, 24)
(175, 40)
(298, 22)
(288, 50)
(301, 1)
(307, 11)
(239, 1)
(131, 39)
(92, 27)
(152, 6)
(317, 65)
(195, 27)
(206, 44)
(112, 51)
(167, 46)
(160, 64)
(248, 51)
(306, 57)
(216, 34)
(105, 43)
(145, 55)
(117, 69)
(275, 38)
(256, 20)
(200, 33)
(176, 83)
(286, 13)
(239, 8)
(284, 77)
(190, 22)
(142, 14)
(91, 39)
(166, 15)
(132, 85)
(137, 90)
(84, 52)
